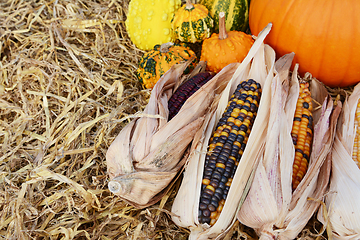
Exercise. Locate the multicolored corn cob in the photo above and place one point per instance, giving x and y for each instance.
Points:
(302, 133)
(356, 148)
(187, 89)
(226, 147)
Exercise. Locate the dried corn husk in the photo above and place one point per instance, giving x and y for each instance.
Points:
(258, 65)
(150, 151)
(342, 201)
(271, 208)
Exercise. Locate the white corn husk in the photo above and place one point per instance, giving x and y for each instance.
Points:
(271, 208)
(342, 201)
(150, 151)
(258, 65)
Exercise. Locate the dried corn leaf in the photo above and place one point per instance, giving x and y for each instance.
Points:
(344, 191)
(271, 208)
(258, 65)
(150, 151)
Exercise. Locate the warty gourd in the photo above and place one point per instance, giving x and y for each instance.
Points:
(148, 22)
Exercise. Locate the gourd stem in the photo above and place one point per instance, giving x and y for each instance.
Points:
(189, 5)
(222, 27)
(164, 48)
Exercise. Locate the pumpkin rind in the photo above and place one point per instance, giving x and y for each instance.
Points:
(224, 48)
(323, 34)
(155, 63)
(192, 24)
(236, 12)
(149, 22)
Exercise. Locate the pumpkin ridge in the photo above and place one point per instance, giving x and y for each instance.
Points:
(301, 33)
(353, 49)
(320, 66)
(352, 53)
(286, 13)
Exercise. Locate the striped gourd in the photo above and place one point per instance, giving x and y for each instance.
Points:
(185, 90)
(356, 148)
(302, 133)
(236, 13)
(225, 149)
(153, 64)
(192, 23)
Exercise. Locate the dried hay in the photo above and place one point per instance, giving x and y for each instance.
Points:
(67, 87)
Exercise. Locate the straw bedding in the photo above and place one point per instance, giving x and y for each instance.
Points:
(67, 87)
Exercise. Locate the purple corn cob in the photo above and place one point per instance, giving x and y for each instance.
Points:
(187, 89)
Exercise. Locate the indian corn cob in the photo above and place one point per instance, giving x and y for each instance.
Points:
(187, 89)
(302, 133)
(225, 149)
(356, 148)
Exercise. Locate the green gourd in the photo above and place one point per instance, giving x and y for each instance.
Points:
(160, 59)
(236, 12)
(192, 23)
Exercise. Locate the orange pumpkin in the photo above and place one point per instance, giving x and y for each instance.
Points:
(323, 34)
(224, 48)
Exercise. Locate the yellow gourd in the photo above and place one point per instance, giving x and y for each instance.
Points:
(148, 22)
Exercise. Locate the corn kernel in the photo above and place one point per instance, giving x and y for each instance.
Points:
(226, 147)
(302, 134)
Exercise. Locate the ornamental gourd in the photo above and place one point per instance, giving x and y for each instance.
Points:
(236, 11)
(149, 22)
(224, 48)
(192, 23)
(323, 34)
(154, 63)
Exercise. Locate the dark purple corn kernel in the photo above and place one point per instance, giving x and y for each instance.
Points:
(224, 154)
(185, 90)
